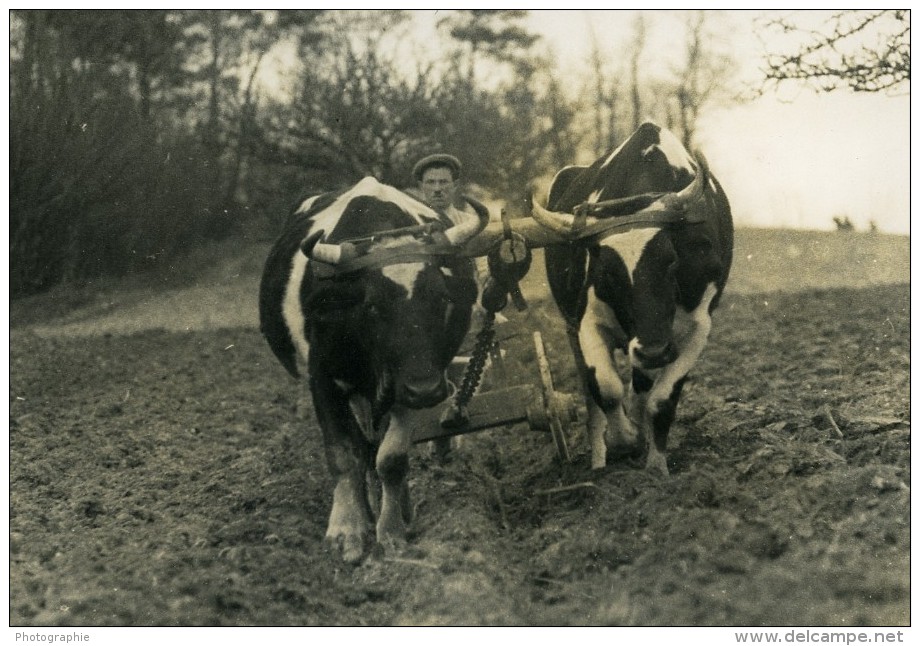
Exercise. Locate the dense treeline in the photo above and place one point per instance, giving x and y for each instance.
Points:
(130, 136)
(137, 135)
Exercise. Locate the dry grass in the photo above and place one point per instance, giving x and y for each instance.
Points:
(219, 288)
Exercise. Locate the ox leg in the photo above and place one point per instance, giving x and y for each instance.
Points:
(597, 425)
(361, 409)
(347, 454)
(609, 428)
(657, 416)
(463, 286)
(691, 332)
(393, 469)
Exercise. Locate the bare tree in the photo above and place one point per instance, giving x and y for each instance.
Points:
(560, 131)
(605, 101)
(493, 34)
(637, 47)
(863, 50)
(357, 113)
(108, 173)
(702, 77)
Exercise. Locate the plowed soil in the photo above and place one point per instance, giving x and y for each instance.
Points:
(167, 472)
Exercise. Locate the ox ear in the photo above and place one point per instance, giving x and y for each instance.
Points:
(698, 254)
(460, 281)
(462, 290)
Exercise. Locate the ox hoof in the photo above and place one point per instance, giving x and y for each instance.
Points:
(657, 464)
(598, 461)
(619, 450)
(350, 546)
(393, 530)
(393, 543)
(441, 450)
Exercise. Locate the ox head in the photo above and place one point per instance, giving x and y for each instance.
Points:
(394, 308)
(648, 250)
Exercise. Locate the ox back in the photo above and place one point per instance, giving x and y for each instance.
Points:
(637, 302)
(376, 343)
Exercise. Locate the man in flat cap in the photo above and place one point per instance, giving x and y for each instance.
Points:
(437, 178)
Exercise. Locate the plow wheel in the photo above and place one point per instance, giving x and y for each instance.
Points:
(541, 407)
(552, 400)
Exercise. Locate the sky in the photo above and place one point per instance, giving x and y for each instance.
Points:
(789, 159)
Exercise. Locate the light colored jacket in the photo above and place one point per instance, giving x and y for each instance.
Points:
(464, 220)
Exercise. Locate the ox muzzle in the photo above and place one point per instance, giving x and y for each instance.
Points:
(422, 393)
(651, 357)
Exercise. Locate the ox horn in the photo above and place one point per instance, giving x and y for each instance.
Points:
(460, 234)
(331, 254)
(307, 244)
(693, 191)
(560, 223)
(535, 234)
(563, 224)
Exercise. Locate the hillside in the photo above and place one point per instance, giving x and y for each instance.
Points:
(224, 292)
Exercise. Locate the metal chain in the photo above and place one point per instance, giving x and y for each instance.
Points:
(473, 373)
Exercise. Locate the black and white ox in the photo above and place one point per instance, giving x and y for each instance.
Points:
(377, 308)
(650, 249)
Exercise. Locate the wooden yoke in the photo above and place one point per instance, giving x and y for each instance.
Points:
(535, 235)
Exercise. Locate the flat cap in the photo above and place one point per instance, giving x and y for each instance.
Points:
(438, 159)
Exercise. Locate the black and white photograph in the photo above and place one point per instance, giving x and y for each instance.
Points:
(372, 317)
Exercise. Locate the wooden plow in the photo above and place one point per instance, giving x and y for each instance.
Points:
(538, 405)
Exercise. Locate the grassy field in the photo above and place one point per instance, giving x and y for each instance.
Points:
(222, 287)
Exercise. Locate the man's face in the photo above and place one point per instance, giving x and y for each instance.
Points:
(438, 187)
